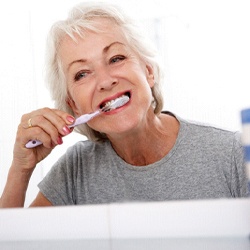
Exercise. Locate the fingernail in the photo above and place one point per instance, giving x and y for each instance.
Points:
(59, 140)
(70, 119)
(66, 130)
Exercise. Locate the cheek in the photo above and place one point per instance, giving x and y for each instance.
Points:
(78, 100)
(83, 97)
(140, 75)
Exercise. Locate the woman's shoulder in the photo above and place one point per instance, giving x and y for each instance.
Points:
(205, 131)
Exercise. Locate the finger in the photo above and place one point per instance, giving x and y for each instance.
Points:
(52, 125)
(45, 132)
(59, 119)
(69, 119)
(46, 125)
(23, 136)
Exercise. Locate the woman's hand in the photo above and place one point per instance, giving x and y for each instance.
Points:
(46, 125)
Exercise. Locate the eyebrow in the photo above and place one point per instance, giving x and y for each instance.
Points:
(105, 50)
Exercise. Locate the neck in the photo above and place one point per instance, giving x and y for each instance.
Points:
(147, 145)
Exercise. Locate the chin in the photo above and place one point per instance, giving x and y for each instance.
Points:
(124, 127)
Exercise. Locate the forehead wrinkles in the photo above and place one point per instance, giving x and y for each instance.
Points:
(110, 40)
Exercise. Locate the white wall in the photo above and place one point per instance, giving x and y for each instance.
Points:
(204, 48)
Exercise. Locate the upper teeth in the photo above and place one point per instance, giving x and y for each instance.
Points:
(109, 103)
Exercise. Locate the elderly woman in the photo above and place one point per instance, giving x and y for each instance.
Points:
(135, 152)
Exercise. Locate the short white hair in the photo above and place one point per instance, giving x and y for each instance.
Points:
(81, 18)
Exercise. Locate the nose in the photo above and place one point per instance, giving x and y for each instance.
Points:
(105, 80)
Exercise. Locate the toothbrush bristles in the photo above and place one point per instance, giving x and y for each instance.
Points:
(116, 103)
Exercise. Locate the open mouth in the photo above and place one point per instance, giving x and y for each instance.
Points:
(115, 103)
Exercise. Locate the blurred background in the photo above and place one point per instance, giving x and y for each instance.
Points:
(204, 49)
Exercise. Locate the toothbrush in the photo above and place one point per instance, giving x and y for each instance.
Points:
(86, 117)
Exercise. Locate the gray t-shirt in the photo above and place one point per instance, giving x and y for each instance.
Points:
(205, 163)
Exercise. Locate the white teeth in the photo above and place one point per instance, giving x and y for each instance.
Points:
(109, 103)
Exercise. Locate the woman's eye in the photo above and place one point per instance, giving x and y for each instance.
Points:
(117, 59)
(80, 75)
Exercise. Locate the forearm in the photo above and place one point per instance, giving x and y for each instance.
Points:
(15, 189)
(48, 126)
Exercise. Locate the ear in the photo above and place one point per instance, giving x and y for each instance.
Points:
(150, 75)
(72, 105)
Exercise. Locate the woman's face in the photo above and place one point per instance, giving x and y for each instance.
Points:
(101, 67)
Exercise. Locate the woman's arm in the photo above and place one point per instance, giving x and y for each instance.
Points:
(15, 189)
(49, 126)
(40, 201)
